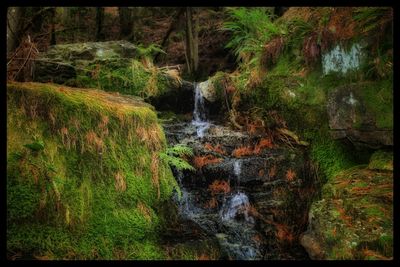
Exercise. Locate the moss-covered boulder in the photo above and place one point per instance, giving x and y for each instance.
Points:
(362, 113)
(84, 178)
(381, 160)
(354, 218)
(110, 66)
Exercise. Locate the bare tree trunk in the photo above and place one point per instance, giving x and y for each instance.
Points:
(192, 42)
(53, 32)
(37, 21)
(172, 27)
(99, 23)
(126, 22)
(15, 17)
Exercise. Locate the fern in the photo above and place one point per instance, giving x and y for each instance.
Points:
(149, 52)
(173, 156)
(251, 29)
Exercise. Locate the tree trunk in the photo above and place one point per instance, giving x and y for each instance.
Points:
(125, 22)
(172, 27)
(15, 17)
(192, 41)
(37, 21)
(99, 24)
(53, 32)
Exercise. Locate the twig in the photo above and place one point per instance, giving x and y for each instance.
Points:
(23, 65)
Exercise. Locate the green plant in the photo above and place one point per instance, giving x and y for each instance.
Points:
(173, 156)
(251, 29)
(147, 53)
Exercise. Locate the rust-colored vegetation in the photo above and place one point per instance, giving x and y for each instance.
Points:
(290, 175)
(264, 143)
(219, 186)
(218, 149)
(200, 161)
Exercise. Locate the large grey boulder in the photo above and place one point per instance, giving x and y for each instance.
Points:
(59, 63)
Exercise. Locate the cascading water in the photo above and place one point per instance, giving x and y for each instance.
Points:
(238, 204)
(199, 114)
(223, 199)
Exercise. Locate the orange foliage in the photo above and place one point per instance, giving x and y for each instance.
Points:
(272, 172)
(249, 150)
(283, 233)
(290, 175)
(371, 253)
(264, 143)
(203, 257)
(219, 187)
(242, 151)
(255, 127)
(212, 203)
(216, 148)
(256, 238)
(200, 161)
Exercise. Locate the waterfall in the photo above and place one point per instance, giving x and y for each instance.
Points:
(199, 112)
(237, 168)
(237, 204)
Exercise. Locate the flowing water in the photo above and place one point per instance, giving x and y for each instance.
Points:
(228, 218)
(230, 223)
(199, 112)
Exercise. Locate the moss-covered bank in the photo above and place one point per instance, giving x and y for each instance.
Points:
(84, 179)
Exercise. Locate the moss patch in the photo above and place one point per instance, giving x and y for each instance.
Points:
(91, 191)
(354, 219)
(381, 160)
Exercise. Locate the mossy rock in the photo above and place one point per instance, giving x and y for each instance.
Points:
(110, 66)
(354, 218)
(381, 160)
(92, 189)
(362, 113)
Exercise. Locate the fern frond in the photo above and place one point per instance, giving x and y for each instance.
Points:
(172, 156)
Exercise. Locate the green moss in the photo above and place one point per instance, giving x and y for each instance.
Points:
(381, 160)
(378, 98)
(332, 156)
(91, 191)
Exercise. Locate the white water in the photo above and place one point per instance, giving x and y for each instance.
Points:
(237, 168)
(238, 203)
(199, 114)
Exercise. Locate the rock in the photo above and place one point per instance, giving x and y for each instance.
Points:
(354, 218)
(381, 160)
(208, 91)
(351, 116)
(59, 63)
(177, 99)
(312, 247)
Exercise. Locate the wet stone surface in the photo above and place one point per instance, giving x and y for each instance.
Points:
(254, 202)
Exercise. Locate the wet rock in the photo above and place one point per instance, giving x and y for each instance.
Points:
(354, 218)
(351, 117)
(312, 247)
(208, 91)
(177, 99)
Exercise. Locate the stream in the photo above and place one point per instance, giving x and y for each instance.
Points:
(234, 200)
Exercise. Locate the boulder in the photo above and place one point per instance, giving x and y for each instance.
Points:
(363, 120)
(177, 99)
(59, 63)
(354, 218)
(208, 91)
